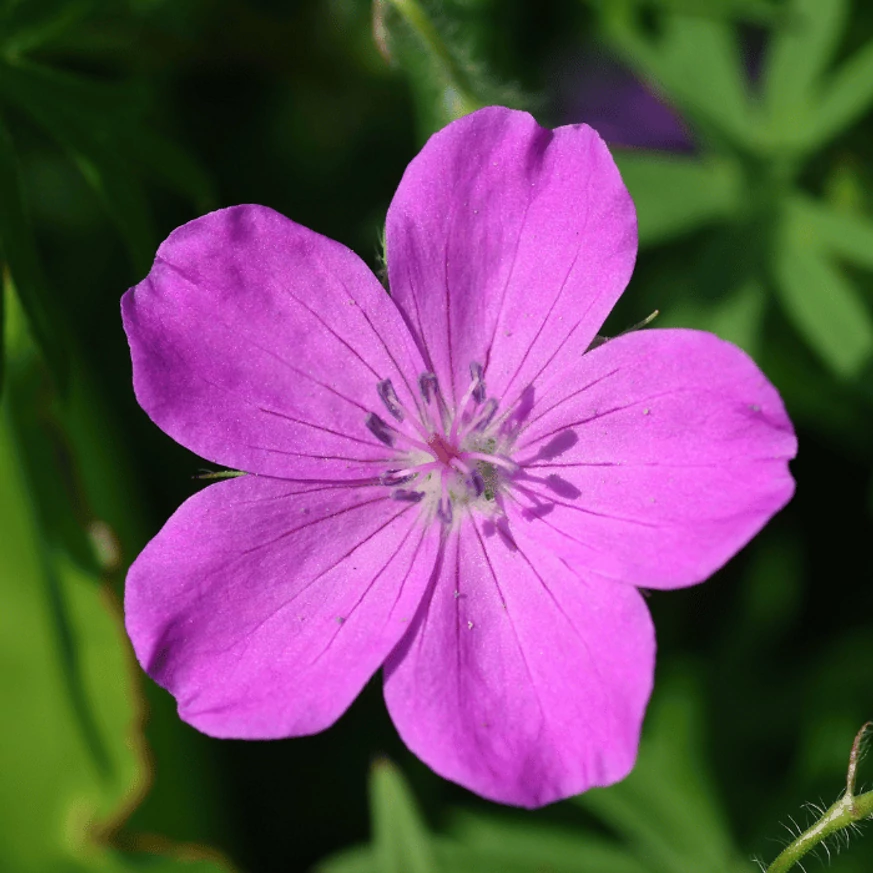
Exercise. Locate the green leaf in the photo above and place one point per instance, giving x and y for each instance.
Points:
(18, 250)
(82, 119)
(736, 317)
(842, 234)
(400, 839)
(667, 808)
(695, 62)
(72, 758)
(800, 51)
(736, 10)
(493, 845)
(845, 97)
(675, 195)
(33, 24)
(821, 301)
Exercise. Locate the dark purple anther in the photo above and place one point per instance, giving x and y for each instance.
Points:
(427, 383)
(395, 477)
(476, 373)
(477, 483)
(407, 496)
(379, 429)
(444, 510)
(389, 398)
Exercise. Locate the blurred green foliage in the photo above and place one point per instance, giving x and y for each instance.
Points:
(121, 120)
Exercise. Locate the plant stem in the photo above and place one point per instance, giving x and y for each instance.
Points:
(845, 812)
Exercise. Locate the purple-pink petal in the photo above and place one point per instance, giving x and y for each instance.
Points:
(259, 344)
(520, 679)
(507, 242)
(264, 606)
(654, 458)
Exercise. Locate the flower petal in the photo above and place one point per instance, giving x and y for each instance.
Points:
(265, 606)
(654, 458)
(520, 680)
(258, 344)
(505, 242)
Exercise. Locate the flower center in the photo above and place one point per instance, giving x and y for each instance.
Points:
(448, 459)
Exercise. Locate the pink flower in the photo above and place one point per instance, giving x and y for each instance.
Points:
(443, 481)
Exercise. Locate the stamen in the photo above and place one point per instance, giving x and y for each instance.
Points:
(478, 387)
(407, 496)
(390, 436)
(444, 510)
(427, 384)
(390, 399)
(477, 483)
(395, 477)
(486, 415)
(380, 429)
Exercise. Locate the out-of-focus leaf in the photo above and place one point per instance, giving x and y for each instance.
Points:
(80, 120)
(847, 236)
(667, 809)
(71, 750)
(166, 161)
(70, 757)
(401, 842)
(821, 301)
(18, 250)
(798, 55)
(674, 195)
(476, 844)
(846, 96)
(737, 10)
(358, 860)
(736, 317)
(493, 845)
(446, 82)
(695, 61)
(26, 26)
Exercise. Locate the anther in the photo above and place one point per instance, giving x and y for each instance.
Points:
(389, 398)
(380, 429)
(476, 374)
(395, 477)
(427, 384)
(407, 496)
(477, 483)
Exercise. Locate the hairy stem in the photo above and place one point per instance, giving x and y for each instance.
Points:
(845, 812)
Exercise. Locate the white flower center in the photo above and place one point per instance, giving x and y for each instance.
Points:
(449, 460)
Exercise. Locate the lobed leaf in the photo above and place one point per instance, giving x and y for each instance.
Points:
(695, 61)
(845, 235)
(801, 49)
(821, 301)
(675, 195)
(844, 98)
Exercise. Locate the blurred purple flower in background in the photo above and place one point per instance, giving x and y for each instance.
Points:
(624, 110)
(444, 482)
